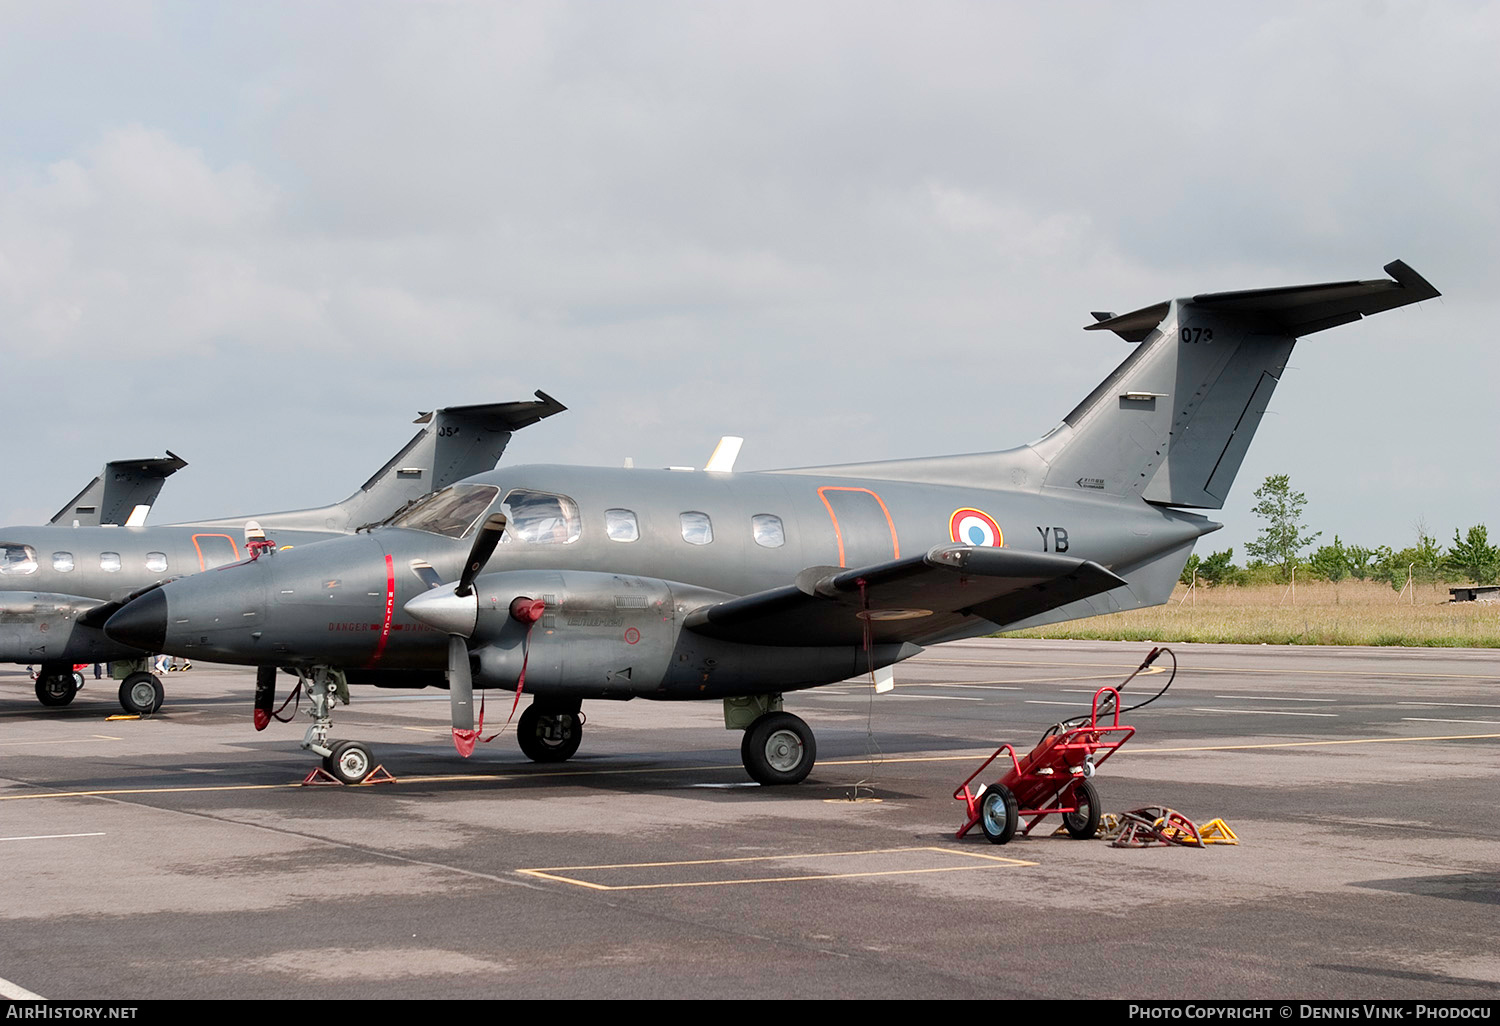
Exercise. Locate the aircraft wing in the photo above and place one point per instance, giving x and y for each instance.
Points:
(915, 599)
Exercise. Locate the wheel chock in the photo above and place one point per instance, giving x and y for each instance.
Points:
(379, 775)
(1156, 825)
(122, 716)
(1175, 828)
(1136, 832)
(1216, 831)
(320, 777)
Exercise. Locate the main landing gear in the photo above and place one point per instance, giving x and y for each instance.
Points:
(141, 693)
(549, 732)
(778, 748)
(57, 685)
(348, 762)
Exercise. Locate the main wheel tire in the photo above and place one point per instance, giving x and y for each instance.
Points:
(78, 679)
(141, 693)
(55, 689)
(549, 736)
(1084, 823)
(350, 762)
(779, 748)
(997, 813)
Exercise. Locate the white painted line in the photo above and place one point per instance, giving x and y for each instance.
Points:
(48, 837)
(1423, 719)
(1272, 698)
(1266, 712)
(15, 993)
(1451, 705)
(1038, 701)
(945, 698)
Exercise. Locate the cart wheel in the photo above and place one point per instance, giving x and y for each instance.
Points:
(1084, 823)
(997, 813)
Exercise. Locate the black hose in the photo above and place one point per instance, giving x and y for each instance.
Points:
(1109, 700)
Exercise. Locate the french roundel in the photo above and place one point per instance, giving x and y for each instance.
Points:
(972, 527)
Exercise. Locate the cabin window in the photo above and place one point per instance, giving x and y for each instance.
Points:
(542, 517)
(156, 562)
(450, 512)
(62, 562)
(109, 562)
(17, 559)
(621, 526)
(697, 529)
(768, 530)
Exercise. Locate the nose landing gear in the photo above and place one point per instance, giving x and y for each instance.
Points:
(348, 762)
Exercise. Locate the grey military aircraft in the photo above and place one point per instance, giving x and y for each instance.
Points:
(58, 584)
(122, 493)
(573, 583)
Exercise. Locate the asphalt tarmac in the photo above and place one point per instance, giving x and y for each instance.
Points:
(177, 857)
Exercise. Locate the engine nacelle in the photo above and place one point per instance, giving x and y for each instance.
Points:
(43, 627)
(601, 635)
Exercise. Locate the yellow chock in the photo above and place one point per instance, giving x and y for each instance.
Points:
(1216, 831)
(111, 719)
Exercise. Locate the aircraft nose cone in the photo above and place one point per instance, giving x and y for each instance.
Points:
(446, 611)
(142, 623)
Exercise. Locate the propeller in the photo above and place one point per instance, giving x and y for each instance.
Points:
(484, 547)
(457, 613)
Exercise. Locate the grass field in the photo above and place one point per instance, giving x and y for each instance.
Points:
(1351, 613)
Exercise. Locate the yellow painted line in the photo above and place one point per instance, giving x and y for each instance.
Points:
(144, 790)
(989, 862)
(457, 778)
(1212, 669)
(63, 741)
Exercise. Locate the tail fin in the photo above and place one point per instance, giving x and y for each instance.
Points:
(122, 488)
(455, 442)
(1173, 422)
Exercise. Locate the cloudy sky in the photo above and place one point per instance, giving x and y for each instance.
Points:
(265, 235)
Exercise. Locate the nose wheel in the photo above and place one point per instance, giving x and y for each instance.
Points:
(349, 762)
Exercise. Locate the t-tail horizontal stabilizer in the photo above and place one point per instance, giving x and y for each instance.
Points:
(1173, 422)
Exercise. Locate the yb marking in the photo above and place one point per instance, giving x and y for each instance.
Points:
(1058, 538)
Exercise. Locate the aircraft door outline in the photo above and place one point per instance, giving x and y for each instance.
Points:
(860, 528)
(203, 563)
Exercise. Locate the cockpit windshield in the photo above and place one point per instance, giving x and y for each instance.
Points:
(450, 512)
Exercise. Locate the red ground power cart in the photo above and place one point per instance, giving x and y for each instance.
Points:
(1055, 776)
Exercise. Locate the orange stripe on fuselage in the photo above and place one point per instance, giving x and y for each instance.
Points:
(839, 534)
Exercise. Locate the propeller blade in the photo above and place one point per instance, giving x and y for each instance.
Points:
(484, 547)
(461, 696)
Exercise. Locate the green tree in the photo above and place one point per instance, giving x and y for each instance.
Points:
(1189, 569)
(1331, 562)
(1361, 561)
(1473, 557)
(1423, 561)
(1219, 569)
(1282, 539)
